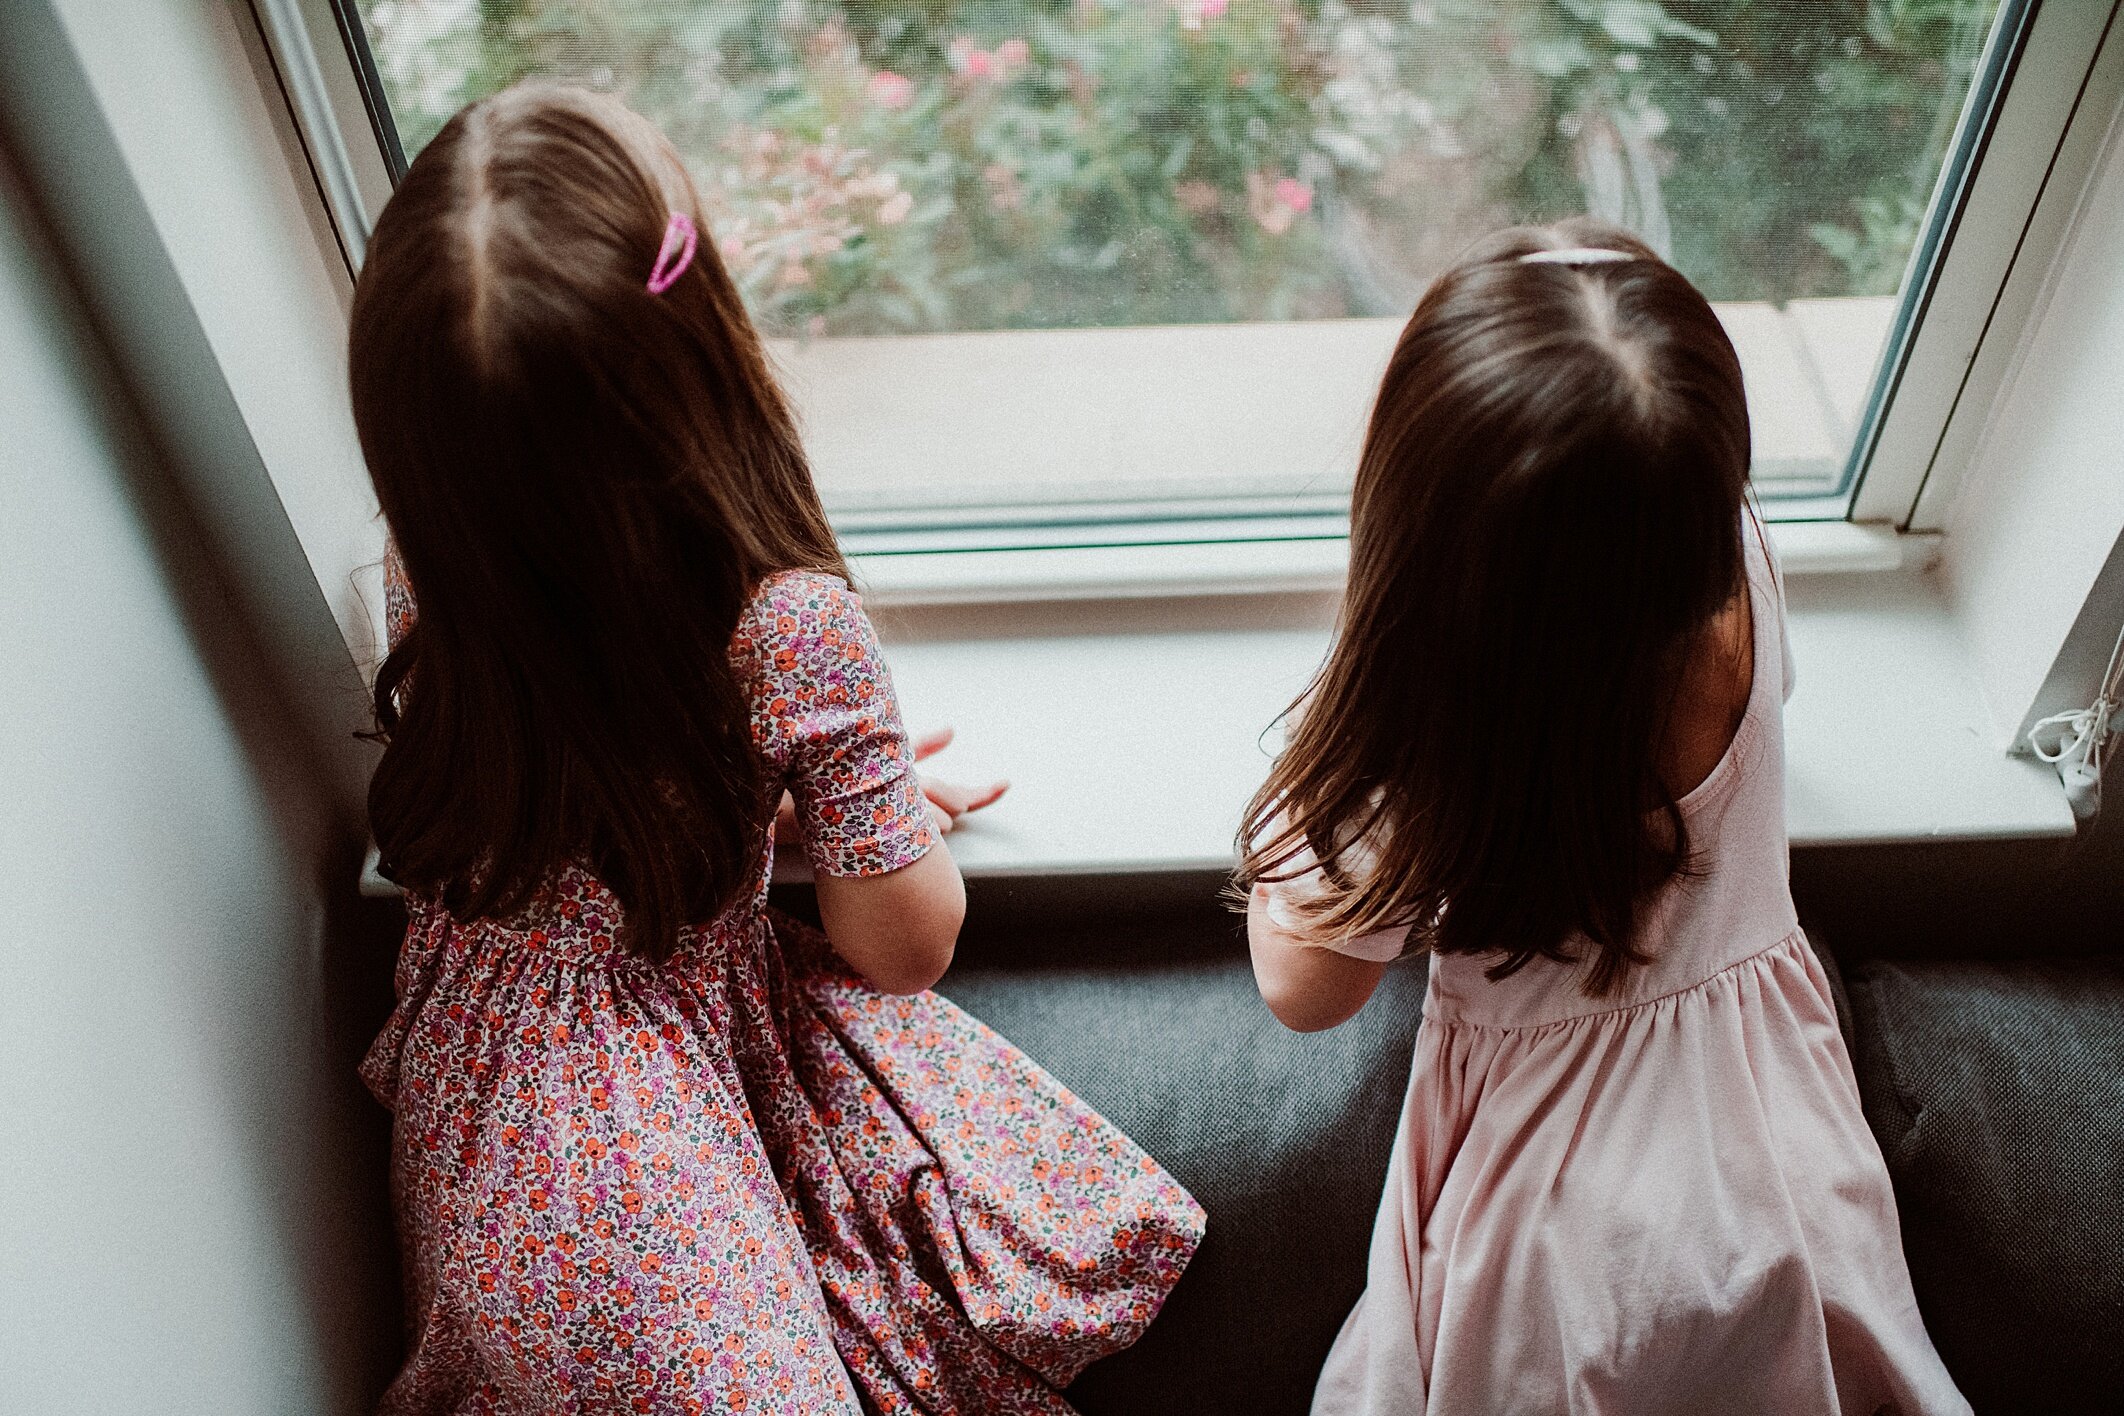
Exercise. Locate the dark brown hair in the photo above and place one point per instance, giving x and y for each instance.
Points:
(584, 482)
(1546, 516)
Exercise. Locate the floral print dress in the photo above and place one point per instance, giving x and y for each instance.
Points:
(743, 1180)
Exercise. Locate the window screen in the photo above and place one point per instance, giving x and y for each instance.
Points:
(1094, 259)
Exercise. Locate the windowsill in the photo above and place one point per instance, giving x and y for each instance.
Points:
(1130, 733)
(1131, 730)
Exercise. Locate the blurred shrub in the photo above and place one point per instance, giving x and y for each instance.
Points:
(890, 165)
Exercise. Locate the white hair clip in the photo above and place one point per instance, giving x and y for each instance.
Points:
(1575, 255)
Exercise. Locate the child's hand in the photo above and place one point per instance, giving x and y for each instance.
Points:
(949, 801)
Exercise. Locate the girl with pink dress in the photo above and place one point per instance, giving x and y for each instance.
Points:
(1631, 1175)
(657, 1147)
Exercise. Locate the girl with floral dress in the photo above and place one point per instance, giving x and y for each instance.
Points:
(1632, 1176)
(658, 1148)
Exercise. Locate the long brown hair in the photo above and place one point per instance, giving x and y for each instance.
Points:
(1546, 516)
(584, 482)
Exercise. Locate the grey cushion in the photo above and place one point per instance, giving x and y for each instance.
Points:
(1282, 1138)
(1997, 1091)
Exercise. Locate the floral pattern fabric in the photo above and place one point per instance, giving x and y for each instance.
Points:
(743, 1180)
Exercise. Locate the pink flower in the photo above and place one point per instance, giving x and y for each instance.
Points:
(1276, 203)
(1212, 9)
(970, 59)
(1012, 54)
(890, 90)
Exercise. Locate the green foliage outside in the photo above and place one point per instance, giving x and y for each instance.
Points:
(877, 166)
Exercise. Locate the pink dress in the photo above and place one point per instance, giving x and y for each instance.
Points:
(1661, 1201)
(743, 1180)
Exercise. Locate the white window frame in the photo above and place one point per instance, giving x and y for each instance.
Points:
(1999, 238)
(1908, 697)
(1965, 308)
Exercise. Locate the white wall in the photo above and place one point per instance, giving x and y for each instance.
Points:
(196, 110)
(174, 1236)
(2039, 515)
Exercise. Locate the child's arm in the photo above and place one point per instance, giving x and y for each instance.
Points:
(1307, 987)
(898, 929)
(828, 724)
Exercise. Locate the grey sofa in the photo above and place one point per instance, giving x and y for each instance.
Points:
(1996, 1089)
(1995, 1086)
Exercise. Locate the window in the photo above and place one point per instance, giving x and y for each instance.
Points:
(1061, 272)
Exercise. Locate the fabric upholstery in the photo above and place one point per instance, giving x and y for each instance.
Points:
(1282, 1138)
(1997, 1092)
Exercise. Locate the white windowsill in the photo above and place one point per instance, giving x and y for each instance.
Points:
(1132, 751)
(1134, 731)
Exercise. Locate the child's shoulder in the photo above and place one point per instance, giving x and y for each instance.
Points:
(793, 595)
(807, 654)
(791, 610)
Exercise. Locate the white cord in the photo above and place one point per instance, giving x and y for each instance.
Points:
(2082, 739)
(2081, 728)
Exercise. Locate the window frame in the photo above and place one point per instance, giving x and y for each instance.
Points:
(192, 185)
(1922, 410)
(1957, 320)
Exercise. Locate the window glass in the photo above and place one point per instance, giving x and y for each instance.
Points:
(1138, 257)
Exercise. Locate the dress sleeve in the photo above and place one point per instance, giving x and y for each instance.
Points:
(825, 715)
(398, 598)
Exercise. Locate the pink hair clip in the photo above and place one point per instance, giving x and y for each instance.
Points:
(680, 238)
